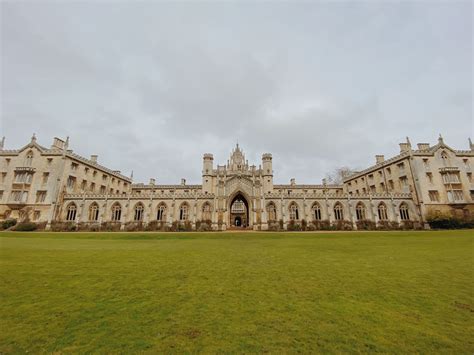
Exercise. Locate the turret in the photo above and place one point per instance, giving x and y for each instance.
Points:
(207, 170)
(267, 172)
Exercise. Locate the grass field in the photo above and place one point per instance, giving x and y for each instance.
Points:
(243, 292)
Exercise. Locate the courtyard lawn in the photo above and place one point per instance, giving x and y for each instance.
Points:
(397, 292)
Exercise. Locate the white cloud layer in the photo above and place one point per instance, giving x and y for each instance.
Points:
(152, 86)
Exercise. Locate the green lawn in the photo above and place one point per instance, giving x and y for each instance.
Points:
(394, 292)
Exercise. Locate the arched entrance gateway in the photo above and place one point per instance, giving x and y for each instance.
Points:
(239, 212)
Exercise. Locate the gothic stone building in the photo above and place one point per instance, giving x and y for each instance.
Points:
(50, 185)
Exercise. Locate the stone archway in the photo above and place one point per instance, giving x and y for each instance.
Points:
(239, 216)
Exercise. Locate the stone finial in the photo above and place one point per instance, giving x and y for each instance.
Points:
(440, 139)
(66, 144)
(292, 181)
(183, 181)
(2, 143)
(33, 138)
(408, 142)
(471, 146)
(131, 175)
(152, 181)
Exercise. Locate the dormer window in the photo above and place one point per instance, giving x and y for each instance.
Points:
(29, 158)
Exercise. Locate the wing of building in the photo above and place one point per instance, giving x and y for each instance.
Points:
(55, 186)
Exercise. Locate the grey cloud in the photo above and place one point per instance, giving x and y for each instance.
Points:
(152, 86)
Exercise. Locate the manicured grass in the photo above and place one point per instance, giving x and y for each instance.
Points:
(397, 292)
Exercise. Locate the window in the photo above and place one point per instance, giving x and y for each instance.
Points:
(19, 196)
(183, 212)
(45, 178)
(94, 212)
(138, 216)
(104, 177)
(382, 212)
(455, 195)
(92, 187)
(161, 214)
(40, 196)
(389, 171)
(71, 182)
(444, 157)
(338, 212)
(206, 212)
(83, 185)
(360, 211)
(71, 212)
(23, 177)
(451, 178)
(404, 214)
(403, 182)
(429, 176)
(469, 177)
(316, 211)
(466, 164)
(29, 158)
(472, 195)
(434, 195)
(294, 212)
(74, 166)
(1, 195)
(116, 212)
(391, 185)
(401, 168)
(271, 211)
(426, 164)
(102, 189)
(372, 189)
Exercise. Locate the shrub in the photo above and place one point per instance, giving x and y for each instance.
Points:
(57, 226)
(343, 225)
(445, 221)
(133, 226)
(293, 226)
(88, 227)
(273, 226)
(388, 225)
(25, 227)
(321, 224)
(156, 226)
(304, 224)
(8, 223)
(204, 226)
(110, 226)
(365, 224)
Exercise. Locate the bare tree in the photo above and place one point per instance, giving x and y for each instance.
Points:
(339, 174)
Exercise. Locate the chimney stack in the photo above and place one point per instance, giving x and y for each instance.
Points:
(183, 182)
(423, 146)
(94, 158)
(58, 143)
(379, 159)
(152, 181)
(292, 181)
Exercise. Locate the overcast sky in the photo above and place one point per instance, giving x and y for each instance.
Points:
(151, 86)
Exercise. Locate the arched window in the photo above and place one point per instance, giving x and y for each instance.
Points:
(93, 212)
(360, 211)
(338, 212)
(71, 212)
(161, 213)
(271, 211)
(183, 212)
(382, 211)
(116, 212)
(294, 212)
(138, 215)
(206, 212)
(316, 208)
(29, 158)
(444, 155)
(404, 214)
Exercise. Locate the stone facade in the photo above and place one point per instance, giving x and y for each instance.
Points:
(56, 185)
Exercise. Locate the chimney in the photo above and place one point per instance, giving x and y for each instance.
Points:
(379, 159)
(292, 181)
(404, 147)
(94, 158)
(57, 143)
(152, 181)
(423, 146)
(183, 182)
